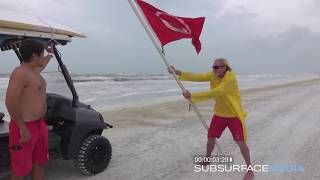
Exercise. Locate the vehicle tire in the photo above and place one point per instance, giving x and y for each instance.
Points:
(93, 156)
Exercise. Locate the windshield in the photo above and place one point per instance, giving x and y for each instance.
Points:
(56, 83)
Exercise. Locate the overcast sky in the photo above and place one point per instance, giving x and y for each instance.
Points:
(265, 36)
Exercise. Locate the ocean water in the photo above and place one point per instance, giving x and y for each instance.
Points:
(108, 91)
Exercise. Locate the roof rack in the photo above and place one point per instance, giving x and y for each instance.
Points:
(11, 45)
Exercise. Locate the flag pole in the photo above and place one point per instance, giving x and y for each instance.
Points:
(160, 51)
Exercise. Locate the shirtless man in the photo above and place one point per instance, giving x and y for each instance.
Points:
(26, 103)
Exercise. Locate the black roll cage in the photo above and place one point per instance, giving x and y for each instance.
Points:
(15, 42)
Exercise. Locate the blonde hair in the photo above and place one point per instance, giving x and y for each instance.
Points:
(225, 62)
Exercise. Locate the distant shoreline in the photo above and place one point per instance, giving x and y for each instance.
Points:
(244, 92)
(277, 86)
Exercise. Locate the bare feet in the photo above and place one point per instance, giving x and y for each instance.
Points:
(248, 176)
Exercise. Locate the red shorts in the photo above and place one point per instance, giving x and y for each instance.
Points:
(218, 124)
(35, 151)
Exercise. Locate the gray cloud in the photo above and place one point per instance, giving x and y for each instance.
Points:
(293, 51)
(117, 43)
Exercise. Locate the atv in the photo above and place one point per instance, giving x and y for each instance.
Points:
(75, 128)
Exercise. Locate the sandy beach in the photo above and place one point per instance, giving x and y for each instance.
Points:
(159, 141)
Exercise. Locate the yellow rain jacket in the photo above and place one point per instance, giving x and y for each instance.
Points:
(224, 91)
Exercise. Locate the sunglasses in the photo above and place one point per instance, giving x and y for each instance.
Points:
(217, 67)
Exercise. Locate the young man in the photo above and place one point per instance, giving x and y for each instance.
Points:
(228, 110)
(26, 103)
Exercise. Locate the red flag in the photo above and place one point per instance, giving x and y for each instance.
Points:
(170, 28)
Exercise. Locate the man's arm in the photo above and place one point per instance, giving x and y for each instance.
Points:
(187, 76)
(195, 77)
(44, 63)
(229, 85)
